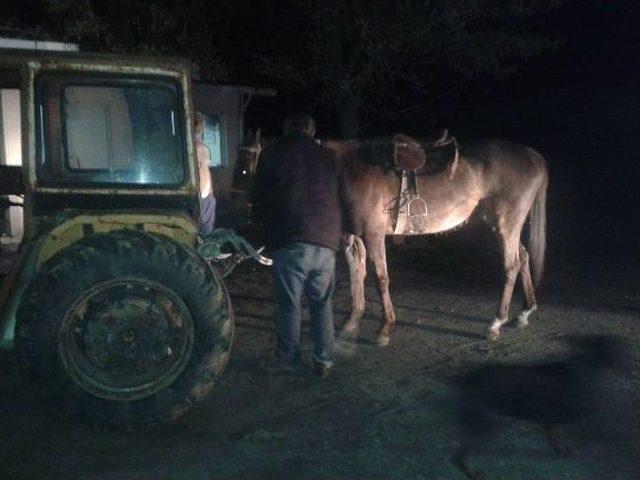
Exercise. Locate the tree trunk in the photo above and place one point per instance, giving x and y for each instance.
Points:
(348, 107)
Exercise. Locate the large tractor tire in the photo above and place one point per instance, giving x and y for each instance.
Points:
(127, 328)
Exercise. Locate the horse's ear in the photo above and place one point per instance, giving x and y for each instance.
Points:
(256, 138)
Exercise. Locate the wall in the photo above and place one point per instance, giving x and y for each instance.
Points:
(11, 154)
(223, 102)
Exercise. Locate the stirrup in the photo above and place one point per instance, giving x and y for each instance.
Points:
(421, 205)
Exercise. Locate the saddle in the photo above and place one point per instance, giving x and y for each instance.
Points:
(409, 158)
(408, 154)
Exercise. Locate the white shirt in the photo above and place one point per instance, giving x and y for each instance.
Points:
(204, 174)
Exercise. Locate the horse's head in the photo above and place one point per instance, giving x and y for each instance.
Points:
(247, 163)
(251, 151)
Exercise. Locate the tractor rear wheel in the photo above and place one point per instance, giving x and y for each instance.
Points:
(128, 328)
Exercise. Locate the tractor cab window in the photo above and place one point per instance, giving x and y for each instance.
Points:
(99, 129)
(103, 130)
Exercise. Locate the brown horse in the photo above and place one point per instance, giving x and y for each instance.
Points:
(502, 182)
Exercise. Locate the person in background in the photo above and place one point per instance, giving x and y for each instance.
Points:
(207, 198)
(301, 196)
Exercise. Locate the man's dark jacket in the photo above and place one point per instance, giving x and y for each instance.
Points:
(301, 193)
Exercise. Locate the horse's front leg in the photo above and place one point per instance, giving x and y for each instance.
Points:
(378, 255)
(356, 255)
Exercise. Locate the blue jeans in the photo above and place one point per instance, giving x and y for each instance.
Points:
(207, 215)
(302, 268)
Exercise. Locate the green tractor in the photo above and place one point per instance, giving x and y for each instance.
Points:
(114, 314)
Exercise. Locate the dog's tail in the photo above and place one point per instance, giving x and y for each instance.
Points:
(597, 352)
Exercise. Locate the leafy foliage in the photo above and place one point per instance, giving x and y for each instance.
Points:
(156, 27)
(351, 57)
(363, 51)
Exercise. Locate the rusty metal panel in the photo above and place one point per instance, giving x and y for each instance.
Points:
(58, 239)
(179, 227)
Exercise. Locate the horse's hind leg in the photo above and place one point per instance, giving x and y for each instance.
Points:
(530, 304)
(356, 255)
(511, 261)
(378, 255)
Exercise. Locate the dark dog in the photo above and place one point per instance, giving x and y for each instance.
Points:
(551, 394)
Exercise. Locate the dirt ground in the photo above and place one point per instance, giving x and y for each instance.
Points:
(384, 413)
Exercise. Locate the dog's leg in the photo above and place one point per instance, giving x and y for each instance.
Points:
(459, 460)
(476, 424)
(552, 434)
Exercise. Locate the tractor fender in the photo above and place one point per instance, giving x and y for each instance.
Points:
(38, 249)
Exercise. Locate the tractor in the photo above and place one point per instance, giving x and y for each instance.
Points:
(114, 314)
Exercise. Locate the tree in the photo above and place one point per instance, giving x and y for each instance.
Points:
(155, 27)
(351, 57)
(346, 52)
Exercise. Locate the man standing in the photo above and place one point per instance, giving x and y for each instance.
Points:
(300, 195)
(207, 199)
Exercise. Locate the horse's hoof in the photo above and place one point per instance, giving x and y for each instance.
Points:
(383, 340)
(348, 333)
(346, 341)
(523, 318)
(349, 329)
(493, 335)
(345, 345)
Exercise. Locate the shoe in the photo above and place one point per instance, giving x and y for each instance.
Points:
(278, 365)
(321, 370)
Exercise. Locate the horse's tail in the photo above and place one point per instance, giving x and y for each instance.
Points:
(538, 231)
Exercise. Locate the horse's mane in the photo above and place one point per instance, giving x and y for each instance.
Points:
(382, 153)
(358, 156)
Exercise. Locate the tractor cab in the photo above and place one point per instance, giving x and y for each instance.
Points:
(111, 309)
